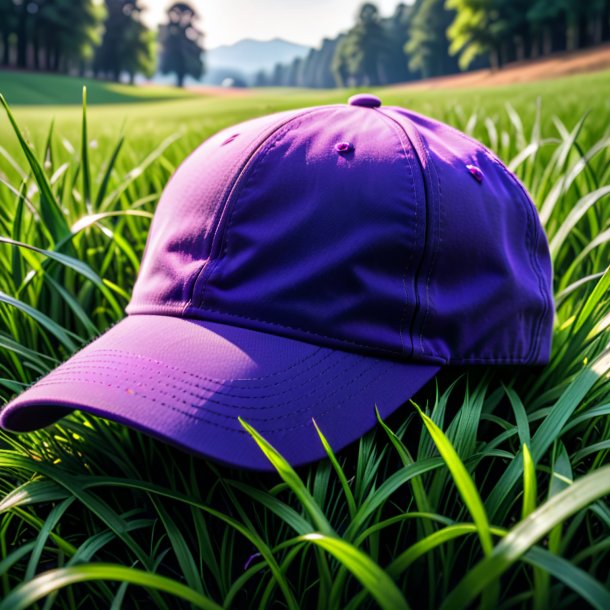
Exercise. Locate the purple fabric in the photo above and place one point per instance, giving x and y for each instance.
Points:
(187, 381)
(364, 99)
(352, 238)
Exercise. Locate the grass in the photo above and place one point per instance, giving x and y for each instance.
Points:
(45, 89)
(489, 490)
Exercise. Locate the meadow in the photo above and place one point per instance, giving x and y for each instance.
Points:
(488, 490)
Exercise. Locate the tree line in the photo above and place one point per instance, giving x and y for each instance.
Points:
(424, 39)
(439, 37)
(106, 39)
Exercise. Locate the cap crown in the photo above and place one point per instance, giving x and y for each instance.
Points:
(389, 246)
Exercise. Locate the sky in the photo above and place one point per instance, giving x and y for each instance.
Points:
(302, 21)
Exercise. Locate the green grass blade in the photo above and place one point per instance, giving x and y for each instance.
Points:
(527, 533)
(577, 212)
(564, 571)
(65, 337)
(600, 292)
(33, 492)
(381, 587)
(187, 564)
(49, 525)
(101, 193)
(86, 170)
(17, 267)
(25, 594)
(463, 482)
(50, 210)
(529, 483)
(549, 430)
(349, 497)
(292, 479)
(72, 263)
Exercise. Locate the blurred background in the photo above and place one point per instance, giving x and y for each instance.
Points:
(323, 44)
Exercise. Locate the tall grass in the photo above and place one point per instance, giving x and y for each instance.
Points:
(488, 488)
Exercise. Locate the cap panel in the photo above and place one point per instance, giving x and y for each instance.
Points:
(185, 220)
(321, 244)
(485, 279)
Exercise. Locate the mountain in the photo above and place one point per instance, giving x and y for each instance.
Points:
(247, 56)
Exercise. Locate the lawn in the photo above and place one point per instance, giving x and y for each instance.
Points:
(497, 490)
(44, 89)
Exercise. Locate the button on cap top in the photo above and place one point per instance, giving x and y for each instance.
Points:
(364, 99)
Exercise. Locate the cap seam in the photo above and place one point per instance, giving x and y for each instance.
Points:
(436, 245)
(428, 236)
(252, 170)
(218, 249)
(177, 311)
(530, 210)
(527, 205)
(434, 358)
(535, 348)
(396, 127)
(309, 332)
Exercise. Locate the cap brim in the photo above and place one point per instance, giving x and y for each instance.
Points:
(187, 381)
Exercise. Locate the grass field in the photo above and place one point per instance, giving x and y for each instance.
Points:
(47, 89)
(496, 492)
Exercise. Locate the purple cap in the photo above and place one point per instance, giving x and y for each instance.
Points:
(313, 264)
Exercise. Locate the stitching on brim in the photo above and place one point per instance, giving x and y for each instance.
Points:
(95, 365)
(175, 391)
(385, 371)
(122, 353)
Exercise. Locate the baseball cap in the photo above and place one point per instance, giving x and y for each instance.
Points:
(312, 264)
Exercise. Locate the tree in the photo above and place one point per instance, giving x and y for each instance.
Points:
(69, 32)
(322, 74)
(394, 67)
(7, 29)
(314, 70)
(597, 19)
(127, 45)
(339, 64)
(261, 79)
(472, 32)
(50, 34)
(427, 47)
(510, 28)
(358, 56)
(542, 16)
(181, 43)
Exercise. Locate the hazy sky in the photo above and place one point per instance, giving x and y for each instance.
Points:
(303, 21)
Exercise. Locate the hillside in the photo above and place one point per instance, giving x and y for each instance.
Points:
(560, 64)
(250, 55)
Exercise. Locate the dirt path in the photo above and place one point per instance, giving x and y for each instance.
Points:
(561, 64)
